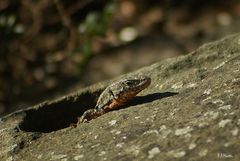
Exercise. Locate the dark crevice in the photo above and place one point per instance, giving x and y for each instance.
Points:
(57, 115)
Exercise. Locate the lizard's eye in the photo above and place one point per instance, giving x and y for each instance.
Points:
(129, 83)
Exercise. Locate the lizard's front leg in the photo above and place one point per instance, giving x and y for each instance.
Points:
(89, 115)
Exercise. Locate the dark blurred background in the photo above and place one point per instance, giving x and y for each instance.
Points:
(52, 47)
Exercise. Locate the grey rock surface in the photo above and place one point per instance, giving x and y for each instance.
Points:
(191, 111)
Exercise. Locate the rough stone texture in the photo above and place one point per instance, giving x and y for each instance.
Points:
(189, 112)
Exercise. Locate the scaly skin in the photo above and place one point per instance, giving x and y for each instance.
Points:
(116, 95)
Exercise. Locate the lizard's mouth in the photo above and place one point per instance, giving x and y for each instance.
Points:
(145, 82)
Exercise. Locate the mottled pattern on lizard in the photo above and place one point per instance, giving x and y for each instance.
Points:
(116, 95)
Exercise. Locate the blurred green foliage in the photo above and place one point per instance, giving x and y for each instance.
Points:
(96, 24)
(9, 28)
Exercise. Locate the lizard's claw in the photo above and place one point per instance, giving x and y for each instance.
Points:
(89, 115)
(79, 121)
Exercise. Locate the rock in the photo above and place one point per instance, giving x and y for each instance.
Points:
(189, 112)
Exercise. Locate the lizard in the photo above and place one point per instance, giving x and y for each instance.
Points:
(115, 96)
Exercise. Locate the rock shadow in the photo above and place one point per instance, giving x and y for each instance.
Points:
(150, 98)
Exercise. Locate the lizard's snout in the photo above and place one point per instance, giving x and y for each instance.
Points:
(145, 81)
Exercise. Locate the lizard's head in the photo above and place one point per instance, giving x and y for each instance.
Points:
(136, 84)
(122, 91)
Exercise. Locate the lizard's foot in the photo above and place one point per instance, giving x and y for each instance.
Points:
(74, 125)
(89, 115)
